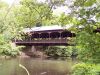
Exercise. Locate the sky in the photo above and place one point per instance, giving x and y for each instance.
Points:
(11, 1)
(8, 1)
(57, 11)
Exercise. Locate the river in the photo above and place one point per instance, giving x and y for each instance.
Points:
(34, 66)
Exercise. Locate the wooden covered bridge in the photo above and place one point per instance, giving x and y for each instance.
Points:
(46, 36)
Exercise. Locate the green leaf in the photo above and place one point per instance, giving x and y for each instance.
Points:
(89, 2)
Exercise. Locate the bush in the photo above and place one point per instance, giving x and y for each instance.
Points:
(81, 69)
(10, 52)
(85, 69)
(56, 51)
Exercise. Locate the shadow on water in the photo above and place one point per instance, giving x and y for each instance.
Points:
(34, 66)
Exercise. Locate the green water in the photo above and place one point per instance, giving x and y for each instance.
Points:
(34, 66)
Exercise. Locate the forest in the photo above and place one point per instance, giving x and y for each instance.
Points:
(83, 15)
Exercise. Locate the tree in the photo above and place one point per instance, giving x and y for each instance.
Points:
(8, 30)
(85, 18)
(31, 12)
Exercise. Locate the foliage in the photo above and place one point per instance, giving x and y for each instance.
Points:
(3, 5)
(85, 19)
(84, 16)
(31, 12)
(6, 47)
(56, 51)
(85, 69)
(89, 46)
(64, 19)
(82, 69)
(27, 14)
(8, 31)
(87, 40)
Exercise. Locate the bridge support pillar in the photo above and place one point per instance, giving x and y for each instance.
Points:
(33, 49)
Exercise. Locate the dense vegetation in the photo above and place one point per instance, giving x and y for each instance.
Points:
(87, 16)
(56, 51)
(84, 17)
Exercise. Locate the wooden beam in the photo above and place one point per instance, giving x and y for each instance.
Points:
(43, 42)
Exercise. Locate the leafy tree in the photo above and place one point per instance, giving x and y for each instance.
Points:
(31, 12)
(88, 41)
(8, 30)
(85, 18)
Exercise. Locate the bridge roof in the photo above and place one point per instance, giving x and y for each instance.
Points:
(46, 28)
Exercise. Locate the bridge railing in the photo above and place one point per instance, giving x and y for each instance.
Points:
(60, 40)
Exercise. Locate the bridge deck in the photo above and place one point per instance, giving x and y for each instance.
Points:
(43, 42)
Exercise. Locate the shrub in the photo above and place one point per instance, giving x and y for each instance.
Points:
(56, 51)
(83, 69)
(86, 69)
(9, 50)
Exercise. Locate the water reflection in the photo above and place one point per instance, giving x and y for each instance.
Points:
(34, 66)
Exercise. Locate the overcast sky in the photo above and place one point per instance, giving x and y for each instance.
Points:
(56, 11)
(8, 1)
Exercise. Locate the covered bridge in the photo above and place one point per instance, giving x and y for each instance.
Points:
(46, 36)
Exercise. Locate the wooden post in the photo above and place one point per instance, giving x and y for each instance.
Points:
(49, 35)
(33, 49)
